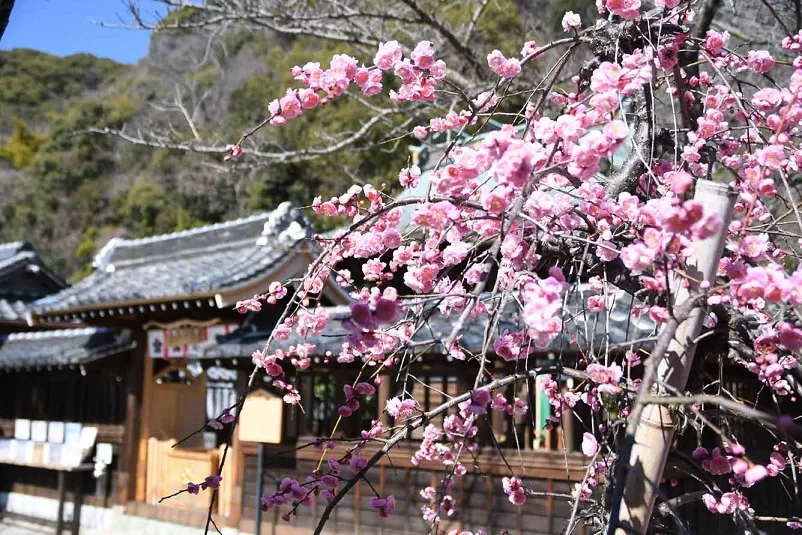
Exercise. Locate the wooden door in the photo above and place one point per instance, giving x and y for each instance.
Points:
(178, 410)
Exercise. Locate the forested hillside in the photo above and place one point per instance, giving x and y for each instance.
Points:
(68, 191)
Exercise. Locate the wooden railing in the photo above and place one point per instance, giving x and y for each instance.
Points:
(481, 502)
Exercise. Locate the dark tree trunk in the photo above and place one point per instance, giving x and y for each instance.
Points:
(5, 14)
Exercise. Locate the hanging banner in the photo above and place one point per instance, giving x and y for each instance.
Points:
(179, 339)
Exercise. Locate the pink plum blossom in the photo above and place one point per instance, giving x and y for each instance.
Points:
(571, 21)
(589, 445)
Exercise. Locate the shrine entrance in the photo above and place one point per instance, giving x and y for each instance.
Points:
(180, 448)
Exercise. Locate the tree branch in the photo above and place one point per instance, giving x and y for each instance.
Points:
(626, 178)
(426, 417)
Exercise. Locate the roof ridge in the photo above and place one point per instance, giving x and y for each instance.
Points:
(183, 252)
(56, 333)
(16, 257)
(101, 258)
(12, 248)
(12, 244)
(195, 230)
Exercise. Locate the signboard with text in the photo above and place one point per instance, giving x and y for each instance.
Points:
(182, 338)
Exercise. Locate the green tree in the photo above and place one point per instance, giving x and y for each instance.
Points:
(85, 252)
(23, 144)
(142, 204)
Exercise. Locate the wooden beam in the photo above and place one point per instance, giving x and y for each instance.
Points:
(539, 464)
(236, 506)
(384, 395)
(568, 428)
(144, 421)
(498, 419)
(126, 479)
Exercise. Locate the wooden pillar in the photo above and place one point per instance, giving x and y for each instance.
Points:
(126, 481)
(357, 507)
(408, 493)
(384, 395)
(567, 421)
(144, 421)
(238, 468)
(382, 477)
(498, 419)
(490, 492)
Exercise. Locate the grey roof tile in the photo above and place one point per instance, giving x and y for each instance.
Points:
(12, 309)
(23, 279)
(10, 249)
(583, 330)
(185, 264)
(63, 347)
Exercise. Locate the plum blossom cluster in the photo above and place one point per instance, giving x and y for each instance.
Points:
(352, 395)
(731, 461)
(517, 407)
(419, 74)
(607, 377)
(298, 356)
(514, 489)
(211, 482)
(519, 213)
(447, 446)
(596, 473)
(504, 67)
(324, 482)
(727, 503)
(276, 292)
(221, 421)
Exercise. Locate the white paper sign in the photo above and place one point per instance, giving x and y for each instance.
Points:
(88, 437)
(16, 450)
(72, 455)
(72, 433)
(22, 429)
(103, 453)
(52, 453)
(39, 431)
(55, 432)
(29, 449)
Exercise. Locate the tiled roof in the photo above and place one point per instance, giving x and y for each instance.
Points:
(61, 347)
(19, 261)
(584, 330)
(12, 309)
(10, 249)
(184, 265)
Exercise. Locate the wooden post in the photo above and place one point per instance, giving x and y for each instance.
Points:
(77, 501)
(654, 432)
(357, 507)
(567, 421)
(238, 467)
(384, 395)
(498, 419)
(126, 482)
(490, 492)
(260, 480)
(61, 496)
(550, 504)
(382, 476)
(144, 421)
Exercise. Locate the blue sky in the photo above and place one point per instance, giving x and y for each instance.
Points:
(65, 27)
